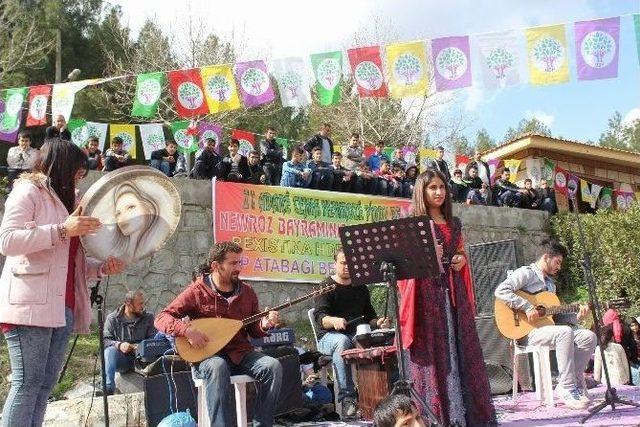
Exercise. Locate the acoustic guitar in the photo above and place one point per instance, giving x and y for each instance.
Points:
(220, 330)
(515, 325)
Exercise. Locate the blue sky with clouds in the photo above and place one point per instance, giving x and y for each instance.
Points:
(576, 110)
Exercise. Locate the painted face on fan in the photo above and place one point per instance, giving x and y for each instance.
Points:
(552, 265)
(229, 268)
(435, 192)
(130, 213)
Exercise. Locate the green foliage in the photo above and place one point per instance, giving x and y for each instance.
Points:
(532, 125)
(378, 298)
(621, 135)
(612, 239)
(460, 145)
(484, 142)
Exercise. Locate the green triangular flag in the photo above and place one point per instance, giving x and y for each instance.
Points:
(327, 69)
(148, 92)
(284, 143)
(605, 201)
(186, 143)
(79, 132)
(13, 100)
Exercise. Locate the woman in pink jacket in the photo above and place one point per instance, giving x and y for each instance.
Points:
(43, 287)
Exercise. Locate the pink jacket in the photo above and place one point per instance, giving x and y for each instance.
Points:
(34, 277)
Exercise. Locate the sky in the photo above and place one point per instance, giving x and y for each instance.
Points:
(578, 110)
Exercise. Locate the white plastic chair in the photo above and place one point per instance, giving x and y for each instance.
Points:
(541, 371)
(323, 371)
(240, 390)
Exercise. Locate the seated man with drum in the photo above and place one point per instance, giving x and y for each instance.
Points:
(218, 292)
(337, 315)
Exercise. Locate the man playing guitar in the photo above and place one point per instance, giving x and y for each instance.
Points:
(219, 293)
(574, 346)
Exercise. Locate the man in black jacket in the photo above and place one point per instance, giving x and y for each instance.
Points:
(207, 160)
(481, 166)
(546, 198)
(439, 163)
(123, 330)
(507, 193)
(165, 159)
(271, 157)
(256, 172)
(323, 141)
(235, 166)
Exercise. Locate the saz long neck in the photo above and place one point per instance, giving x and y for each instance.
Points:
(258, 316)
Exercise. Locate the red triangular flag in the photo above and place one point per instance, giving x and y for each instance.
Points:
(186, 89)
(560, 177)
(366, 66)
(247, 140)
(38, 100)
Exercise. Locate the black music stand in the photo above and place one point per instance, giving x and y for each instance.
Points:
(384, 252)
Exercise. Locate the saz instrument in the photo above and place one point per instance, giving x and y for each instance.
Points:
(515, 325)
(220, 330)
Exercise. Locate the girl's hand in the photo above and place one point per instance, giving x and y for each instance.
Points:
(458, 261)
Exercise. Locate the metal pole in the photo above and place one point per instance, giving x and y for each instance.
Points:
(58, 55)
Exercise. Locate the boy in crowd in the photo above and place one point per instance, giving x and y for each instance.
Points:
(256, 172)
(507, 193)
(546, 198)
(342, 177)
(397, 410)
(294, 174)
(94, 154)
(374, 160)
(323, 141)
(116, 157)
(165, 159)
(398, 161)
(207, 161)
(272, 159)
(321, 172)
(387, 183)
(481, 196)
(529, 196)
(235, 166)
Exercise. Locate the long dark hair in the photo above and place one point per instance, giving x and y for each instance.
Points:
(59, 161)
(419, 201)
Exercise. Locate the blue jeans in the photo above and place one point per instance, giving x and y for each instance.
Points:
(36, 355)
(115, 360)
(163, 166)
(333, 344)
(216, 372)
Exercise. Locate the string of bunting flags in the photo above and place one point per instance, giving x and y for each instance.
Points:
(396, 70)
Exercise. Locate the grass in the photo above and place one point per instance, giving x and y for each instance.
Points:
(80, 366)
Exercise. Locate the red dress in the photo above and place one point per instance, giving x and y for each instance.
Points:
(445, 359)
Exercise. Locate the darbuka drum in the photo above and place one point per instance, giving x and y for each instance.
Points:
(139, 208)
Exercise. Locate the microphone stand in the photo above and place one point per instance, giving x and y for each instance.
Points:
(611, 395)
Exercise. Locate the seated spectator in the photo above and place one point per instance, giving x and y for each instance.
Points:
(374, 160)
(387, 183)
(398, 161)
(529, 196)
(507, 193)
(546, 198)
(397, 410)
(123, 330)
(166, 159)
(58, 129)
(257, 174)
(481, 166)
(399, 174)
(206, 161)
(271, 157)
(410, 176)
(615, 358)
(294, 173)
(480, 196)
(366, 181)
(21, 158)
(94, 154)
(621, 334)
(323, 141)
(472, 179)
(342, 177)
(353, 153)
(116, 157)
(634, 325)
(235, 166)
(459, 187)
(321, 172)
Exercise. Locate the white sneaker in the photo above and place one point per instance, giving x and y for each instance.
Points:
(583, 390)
(572, 398)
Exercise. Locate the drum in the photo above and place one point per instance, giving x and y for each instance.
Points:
(139, 208)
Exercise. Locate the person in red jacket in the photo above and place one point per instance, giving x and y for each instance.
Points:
(218, 292)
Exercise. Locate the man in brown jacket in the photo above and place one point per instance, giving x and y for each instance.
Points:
(218, 292)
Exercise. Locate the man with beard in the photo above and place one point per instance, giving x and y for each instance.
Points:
(272, 157)
(337, 314)
(123, 330)
(218, 292)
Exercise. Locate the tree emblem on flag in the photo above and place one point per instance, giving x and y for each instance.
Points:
(190, 96)
(148, 92)
(14, 104)
(407, 68)
(500, 60)
(60, 104)
(254, 81)
(38, 107)
(605, 201)
(219, 88)
(182, 139)
(79, 136)
(93, 131)
(451, 63)
(561, 180)
(546, 52)
(598, 49)
(4, 129)
(127, 140)
(328, 73)
(368, 75)
(291, 81)
(155, 141)
(245, 147)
